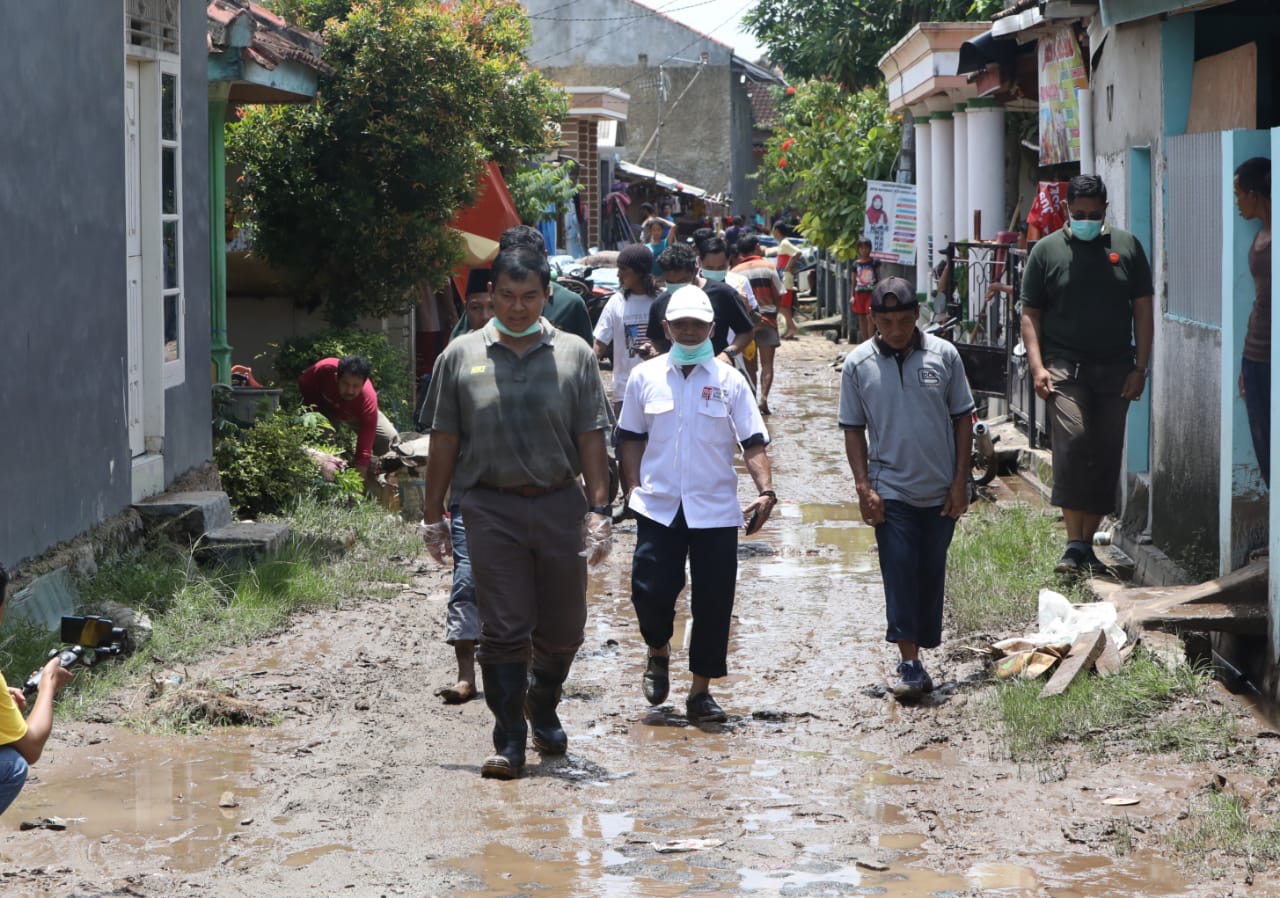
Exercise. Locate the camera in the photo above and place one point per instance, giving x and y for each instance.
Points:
(99, 637)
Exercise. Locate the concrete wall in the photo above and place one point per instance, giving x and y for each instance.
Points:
(64, 459)
(610, 47)
(742, 157)
(188, 406)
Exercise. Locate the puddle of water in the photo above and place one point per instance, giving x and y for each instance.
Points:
(902, 841)
(152, 792)
(302, 858)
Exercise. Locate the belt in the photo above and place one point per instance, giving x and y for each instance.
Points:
(525, 492)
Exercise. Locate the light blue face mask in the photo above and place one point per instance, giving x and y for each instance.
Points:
(1086, 229)
(714, 275)
(692, 355)
(527, 332)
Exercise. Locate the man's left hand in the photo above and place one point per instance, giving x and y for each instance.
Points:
(18, 698)
(957, 500)
(1133, 385)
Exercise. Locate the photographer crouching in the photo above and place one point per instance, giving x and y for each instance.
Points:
(22, 741)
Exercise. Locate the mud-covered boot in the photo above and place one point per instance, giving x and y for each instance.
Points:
(546, 675)
(504, 691)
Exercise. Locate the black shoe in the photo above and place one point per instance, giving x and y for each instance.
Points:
(505, 686)
(546, 675)
(656, 681)
(913, 681)
(1072, 563)
(702, 708)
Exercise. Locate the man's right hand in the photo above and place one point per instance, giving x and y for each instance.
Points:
(1043, 382)
(437, 539)
(56, 674)
(871, 506)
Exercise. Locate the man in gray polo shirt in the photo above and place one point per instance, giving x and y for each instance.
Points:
(520, 413)
(904, 408)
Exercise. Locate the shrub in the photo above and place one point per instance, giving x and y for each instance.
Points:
(265, 468)
(390, 369)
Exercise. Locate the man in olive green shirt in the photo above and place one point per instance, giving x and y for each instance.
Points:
(1087, 326)
(520, 413)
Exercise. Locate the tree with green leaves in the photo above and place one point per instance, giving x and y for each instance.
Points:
(844, 39)
(351, 196)
(543, 191)
(826, 145)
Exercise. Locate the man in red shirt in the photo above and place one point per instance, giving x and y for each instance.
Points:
(341, 391)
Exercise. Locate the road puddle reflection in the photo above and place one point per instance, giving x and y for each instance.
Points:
(153, 793)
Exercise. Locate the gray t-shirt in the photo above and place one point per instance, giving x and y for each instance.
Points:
(517, 417)
(906, 402)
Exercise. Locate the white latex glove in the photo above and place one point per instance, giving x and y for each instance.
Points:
(438, 541)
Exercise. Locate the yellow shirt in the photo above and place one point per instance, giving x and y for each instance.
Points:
(12, 724)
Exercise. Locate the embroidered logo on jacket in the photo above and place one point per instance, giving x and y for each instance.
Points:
(929, 378)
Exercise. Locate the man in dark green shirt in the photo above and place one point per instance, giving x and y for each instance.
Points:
(565, 309)
(1087, 326)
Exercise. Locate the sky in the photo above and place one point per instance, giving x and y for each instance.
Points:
(722, 19)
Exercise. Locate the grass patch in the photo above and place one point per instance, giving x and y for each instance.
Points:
(336, 552)
(1000, 559)
(1102, 712)
(1220, 823)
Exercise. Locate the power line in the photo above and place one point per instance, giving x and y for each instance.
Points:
(643, 15)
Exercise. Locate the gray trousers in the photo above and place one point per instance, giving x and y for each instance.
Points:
(530, 575)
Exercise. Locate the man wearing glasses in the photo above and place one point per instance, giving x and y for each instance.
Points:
(1087, 326)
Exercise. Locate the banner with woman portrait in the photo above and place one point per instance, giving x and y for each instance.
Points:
(891, 222)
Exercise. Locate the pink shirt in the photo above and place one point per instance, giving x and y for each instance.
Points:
(319, 386)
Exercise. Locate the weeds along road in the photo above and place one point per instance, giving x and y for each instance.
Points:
(818, 785)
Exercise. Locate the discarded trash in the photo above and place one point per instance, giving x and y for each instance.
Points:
(228, 800)
(1060, 621)
(1026, 664)
(1121, 801)
(686, 845)
(55, 823)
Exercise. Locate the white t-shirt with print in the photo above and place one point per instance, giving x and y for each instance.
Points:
(624, 322)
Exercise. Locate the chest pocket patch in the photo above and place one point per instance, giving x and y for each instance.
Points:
(929, 378)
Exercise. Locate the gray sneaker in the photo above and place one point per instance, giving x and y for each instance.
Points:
(913, 681)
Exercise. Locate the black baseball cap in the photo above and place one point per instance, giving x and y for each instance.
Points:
(894, 295)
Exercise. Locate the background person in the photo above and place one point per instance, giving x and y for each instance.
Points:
(1253, 200)
(766, 286)
(341, 390)
(22, 741)
(905, 410)
(788, 259)
(625, 318)
(866, 274)
(1087, 326)
(680, 267)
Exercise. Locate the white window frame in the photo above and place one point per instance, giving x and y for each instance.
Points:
(175, 370)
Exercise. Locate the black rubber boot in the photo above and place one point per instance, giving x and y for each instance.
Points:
(546, 675)
(504, 691)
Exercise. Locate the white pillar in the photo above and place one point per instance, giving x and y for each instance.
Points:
(1084, 103)
(960, 173)
(943, 201)
(924, 206)
(985, 124)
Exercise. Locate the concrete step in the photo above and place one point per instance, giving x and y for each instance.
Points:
(243, 541)
(190, 515)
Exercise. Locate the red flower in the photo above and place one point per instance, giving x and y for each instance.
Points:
(788, 144)
(1115, 258)
(782, 162)
(790, 91)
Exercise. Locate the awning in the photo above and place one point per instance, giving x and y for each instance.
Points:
(648, 174)
(482, 223)
(479, 251)
(979, 52)
(1117, 12)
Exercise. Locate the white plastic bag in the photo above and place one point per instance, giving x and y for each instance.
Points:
(1060, 621)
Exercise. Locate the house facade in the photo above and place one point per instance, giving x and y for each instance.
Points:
(691, 83)
(104, 186)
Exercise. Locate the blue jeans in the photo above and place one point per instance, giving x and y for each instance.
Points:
(462, 622)
(1257, 404)
(13, 776)
(913, 545)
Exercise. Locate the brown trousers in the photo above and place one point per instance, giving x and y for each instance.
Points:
(530, 575)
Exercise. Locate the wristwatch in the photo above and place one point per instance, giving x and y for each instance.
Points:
(606, 510)
(770, 493)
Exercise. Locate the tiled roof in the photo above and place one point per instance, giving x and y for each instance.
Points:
(763, 113)
(274, 39)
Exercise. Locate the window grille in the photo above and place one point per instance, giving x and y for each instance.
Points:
(152, 24)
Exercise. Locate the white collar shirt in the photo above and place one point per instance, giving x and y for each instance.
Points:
(695, 426)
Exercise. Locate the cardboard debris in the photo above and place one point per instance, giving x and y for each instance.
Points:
(1084, 651)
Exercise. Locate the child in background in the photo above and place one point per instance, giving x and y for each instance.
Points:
(788, 258)
(866, 273)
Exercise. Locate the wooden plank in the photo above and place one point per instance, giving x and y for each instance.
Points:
(1084, 651)
(1237, 617)
(1108, 663)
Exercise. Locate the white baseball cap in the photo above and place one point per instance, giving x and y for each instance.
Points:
(690, 302)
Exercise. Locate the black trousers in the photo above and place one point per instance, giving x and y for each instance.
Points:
(657, 577)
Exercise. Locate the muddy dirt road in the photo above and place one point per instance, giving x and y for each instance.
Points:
(816, 786)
